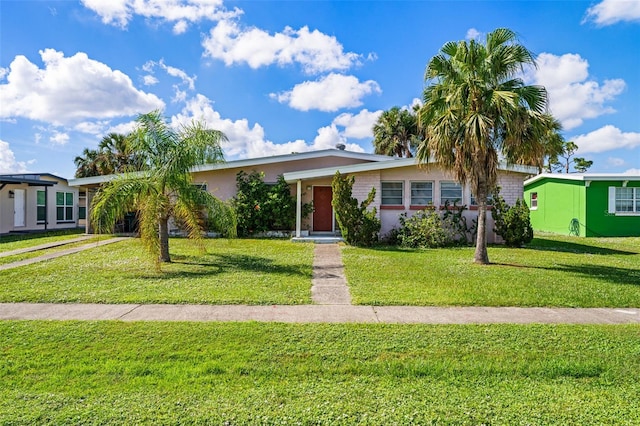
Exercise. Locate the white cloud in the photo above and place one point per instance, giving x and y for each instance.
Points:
(3, 73)
(8, 163)
(315, 51)
(329, 93)
(122, 128)
(70, 89)
(605, 139)
(59, 138)
(358, 126)
(473, 34)
(615, 162)
(609, 12)
(632, 172)
(573, 97)
(149, 80)
(247, 141)
(182, 12)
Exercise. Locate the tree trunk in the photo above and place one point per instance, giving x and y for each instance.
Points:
(164, 240)
(481, 256)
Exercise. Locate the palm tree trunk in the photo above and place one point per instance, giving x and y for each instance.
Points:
(481, 256)
(164, 239)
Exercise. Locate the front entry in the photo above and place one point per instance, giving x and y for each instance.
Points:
(322, 210)
(18, 207)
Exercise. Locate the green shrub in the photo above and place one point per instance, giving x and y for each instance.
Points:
(359, 226)
(512, 222)
(261, 207)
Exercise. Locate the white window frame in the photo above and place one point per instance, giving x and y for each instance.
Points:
(614, 199)
(533, 197)
(382, 193)
(411, 188)
(443, 199)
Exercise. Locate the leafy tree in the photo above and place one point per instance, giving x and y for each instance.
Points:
(476, 107)
(114, 155)
(164, 189)
(396, 133)
(562, 160)
(581, 165)
(512, 223)
(359, 226)
(88, 164)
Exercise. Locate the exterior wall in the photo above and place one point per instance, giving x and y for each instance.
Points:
(560, 203)
(599, 222)
(30, 208)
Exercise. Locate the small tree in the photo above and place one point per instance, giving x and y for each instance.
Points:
(359, 226)
(512, 222)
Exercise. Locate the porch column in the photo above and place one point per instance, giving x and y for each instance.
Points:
(298, 207)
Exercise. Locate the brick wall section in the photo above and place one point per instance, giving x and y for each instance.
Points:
(362, 186)
(511, 186)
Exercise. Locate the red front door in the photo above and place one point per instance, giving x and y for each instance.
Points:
(322, 210)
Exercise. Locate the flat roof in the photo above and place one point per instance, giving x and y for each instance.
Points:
(365, 167)
(584, 177)
(31, 180)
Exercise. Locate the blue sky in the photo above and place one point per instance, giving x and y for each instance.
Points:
(291, 76)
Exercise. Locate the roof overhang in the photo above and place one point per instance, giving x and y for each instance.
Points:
(15, 180)
(383, 165)
(584, 177)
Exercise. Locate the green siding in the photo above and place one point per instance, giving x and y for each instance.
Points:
(562, 201)
(601, 223)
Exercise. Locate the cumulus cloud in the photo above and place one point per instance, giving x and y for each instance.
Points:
(609, 12)
(315, 51)
(149, 80)
(605, 139)
(246, 141)
(329, 93)
(635, 172)
(69, 90)
(473, 34)
(180, 12)
(59, 138)
(573, 96)
(8, 162)
(358, 126)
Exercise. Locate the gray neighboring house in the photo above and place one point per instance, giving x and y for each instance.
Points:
(37, 202)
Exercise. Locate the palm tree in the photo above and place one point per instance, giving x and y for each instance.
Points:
(87, 163)
(477, 107)
(119, 155)
(164, 189)
(395, 133)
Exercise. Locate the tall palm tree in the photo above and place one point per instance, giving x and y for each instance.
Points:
(119, 155)
(87, 163)
(477, 107)
(164, 189)
(395, 133)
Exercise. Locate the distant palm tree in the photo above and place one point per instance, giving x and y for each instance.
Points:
(164, 189)
(477, 107)
(396, 133)
(119, 154)
(87, 164)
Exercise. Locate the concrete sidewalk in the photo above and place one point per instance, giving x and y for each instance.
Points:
(319, 314)
(45, 246)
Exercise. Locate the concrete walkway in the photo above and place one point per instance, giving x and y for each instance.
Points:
(60, 253)
(45, 246)
(329, 285)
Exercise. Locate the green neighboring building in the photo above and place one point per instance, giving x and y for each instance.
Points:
(588, 205)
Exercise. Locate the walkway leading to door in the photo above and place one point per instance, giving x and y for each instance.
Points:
(45, 246)
(329, 285)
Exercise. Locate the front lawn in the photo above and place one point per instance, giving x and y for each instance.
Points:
(19, 241)
(551, 271)
(253, 373)
(230, 272)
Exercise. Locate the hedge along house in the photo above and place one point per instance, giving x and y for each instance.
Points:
(401, 185)
(37, 202)
(587, 205)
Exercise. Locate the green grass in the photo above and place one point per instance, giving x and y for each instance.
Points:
(551, 271)
(19, 241)
(251, 373)
(230, 272)
(36, 253)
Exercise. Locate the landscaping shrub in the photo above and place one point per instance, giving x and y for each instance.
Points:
(428, 229)
(512, 222)
(262, 207)
(359, 226)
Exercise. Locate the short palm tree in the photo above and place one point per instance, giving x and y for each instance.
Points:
(395, 133)
(164, 189)
(477, 108)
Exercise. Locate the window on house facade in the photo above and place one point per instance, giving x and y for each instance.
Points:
(41, 206)
(533, 200)
(421, 193)
(624, 200)
(64, 206)
(392, 193)
(489, 200)
(451, 192)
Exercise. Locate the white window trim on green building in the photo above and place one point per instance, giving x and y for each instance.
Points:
(624, 201)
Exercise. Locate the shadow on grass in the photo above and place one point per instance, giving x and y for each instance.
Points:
(221, 263)
(571, 247)
(612, 274)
